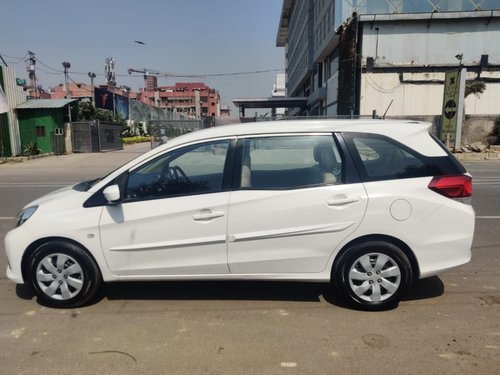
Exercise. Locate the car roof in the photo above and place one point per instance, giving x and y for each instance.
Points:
(393, 128)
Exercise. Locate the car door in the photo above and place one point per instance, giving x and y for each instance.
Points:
(172, 220)
(293, 207)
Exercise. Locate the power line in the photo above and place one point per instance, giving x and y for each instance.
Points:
(177, 75)
(240, 73)
(47, 66)
(45, 71)
(18, 59)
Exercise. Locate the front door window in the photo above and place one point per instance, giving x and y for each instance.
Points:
(196, 169)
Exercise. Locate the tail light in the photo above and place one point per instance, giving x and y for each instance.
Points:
(455, 187)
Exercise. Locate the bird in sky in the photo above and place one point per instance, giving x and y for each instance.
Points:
(139, 42)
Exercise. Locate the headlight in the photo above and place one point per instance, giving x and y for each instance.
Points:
(25, 215)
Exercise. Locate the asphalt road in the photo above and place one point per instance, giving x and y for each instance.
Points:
(448, 324)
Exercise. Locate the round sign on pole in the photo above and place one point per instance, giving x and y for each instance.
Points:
(450, 109)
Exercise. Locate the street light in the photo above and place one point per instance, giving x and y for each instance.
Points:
(459, 57)
(92, 76)
(66, 65)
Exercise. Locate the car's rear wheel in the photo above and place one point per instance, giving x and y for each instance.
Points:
(63, 274)
(372, 275)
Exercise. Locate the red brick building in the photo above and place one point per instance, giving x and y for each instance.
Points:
(192, 98)
(76, 91)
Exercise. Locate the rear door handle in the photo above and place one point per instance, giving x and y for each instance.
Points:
(342, 200)
(206, 215)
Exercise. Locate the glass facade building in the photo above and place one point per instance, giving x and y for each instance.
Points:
(345, 8)
(310, 30)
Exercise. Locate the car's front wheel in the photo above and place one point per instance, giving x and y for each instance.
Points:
(63, 274)
(373, 275)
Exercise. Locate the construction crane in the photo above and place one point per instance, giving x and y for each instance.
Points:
(150, 72)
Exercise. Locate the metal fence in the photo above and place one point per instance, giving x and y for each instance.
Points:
(161, 130)
(58, 142)
(96, 136)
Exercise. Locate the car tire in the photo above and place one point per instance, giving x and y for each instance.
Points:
(63, 274)
(372, 275)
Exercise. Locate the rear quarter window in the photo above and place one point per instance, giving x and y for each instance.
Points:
(383, 158)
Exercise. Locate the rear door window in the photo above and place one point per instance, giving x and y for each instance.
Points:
(382, 158)
(289, 162)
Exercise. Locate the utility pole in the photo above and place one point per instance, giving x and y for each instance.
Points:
(92, 76)
(31, 62)
(66, 65)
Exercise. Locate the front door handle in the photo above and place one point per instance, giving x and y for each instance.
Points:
(342, 200)
(206, 215)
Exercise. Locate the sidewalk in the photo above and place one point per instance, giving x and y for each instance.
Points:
(84, 164)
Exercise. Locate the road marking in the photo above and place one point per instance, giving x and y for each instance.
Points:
(486, 181)
(487, 217)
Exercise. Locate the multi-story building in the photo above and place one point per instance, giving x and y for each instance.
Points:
(279, 90)
(76, 90)
(225, 111)
(194, 99)
(354, 57)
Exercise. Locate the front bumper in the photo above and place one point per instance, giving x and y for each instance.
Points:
(16, 242)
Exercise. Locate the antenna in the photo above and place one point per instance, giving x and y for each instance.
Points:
(389, 106)
(109, 71)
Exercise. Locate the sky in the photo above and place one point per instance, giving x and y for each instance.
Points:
(181, 37)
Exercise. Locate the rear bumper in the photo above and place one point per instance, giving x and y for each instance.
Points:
(447, 242)
(442, 257)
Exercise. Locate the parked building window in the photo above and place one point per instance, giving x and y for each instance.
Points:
(40, 131)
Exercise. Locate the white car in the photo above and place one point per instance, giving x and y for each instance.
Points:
(367, 205)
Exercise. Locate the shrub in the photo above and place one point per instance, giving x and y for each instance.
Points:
(136, 139)
(31, 149)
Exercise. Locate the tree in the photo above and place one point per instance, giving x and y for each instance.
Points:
(87, 112)
(475, 87)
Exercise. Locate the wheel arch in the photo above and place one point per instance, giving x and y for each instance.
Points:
(36, 244)
(384, 238)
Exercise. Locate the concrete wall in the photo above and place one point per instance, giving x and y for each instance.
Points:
(431, 42)
(404, 49)
(476, 127)
(424, 98)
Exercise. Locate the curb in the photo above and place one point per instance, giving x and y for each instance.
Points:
(20, 159)
(475, 156)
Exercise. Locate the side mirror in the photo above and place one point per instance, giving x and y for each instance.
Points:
(112, 194)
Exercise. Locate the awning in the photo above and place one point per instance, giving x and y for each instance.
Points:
(272, 102)
(45, 103)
